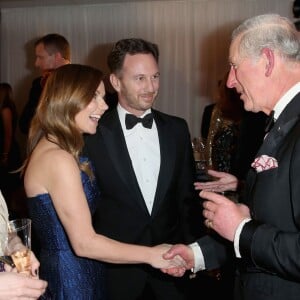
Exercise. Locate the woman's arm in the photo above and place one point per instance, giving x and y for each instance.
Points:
(59, 175)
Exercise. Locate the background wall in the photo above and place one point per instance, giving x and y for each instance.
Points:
(193, 37)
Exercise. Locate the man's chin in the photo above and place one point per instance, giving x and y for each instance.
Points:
(248, 105)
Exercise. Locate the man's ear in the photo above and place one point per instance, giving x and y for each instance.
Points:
(270, 60)
(115, 82)
(58, 58)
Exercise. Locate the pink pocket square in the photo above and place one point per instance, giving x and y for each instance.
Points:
(263, 163)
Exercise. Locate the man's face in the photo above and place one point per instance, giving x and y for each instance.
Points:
(43, 60)
(138, 83)
(247, 75)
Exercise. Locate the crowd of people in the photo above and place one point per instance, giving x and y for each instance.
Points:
(111, 193)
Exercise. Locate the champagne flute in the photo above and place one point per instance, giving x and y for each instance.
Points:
(19, 248)
(19, 244)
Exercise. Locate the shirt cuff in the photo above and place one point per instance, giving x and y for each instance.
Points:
(198, 258)
(237, 234)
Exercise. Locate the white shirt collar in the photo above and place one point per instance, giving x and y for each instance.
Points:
(285, 100)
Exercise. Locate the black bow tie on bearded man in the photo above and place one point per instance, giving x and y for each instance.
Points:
(269, 122)
(132, 120)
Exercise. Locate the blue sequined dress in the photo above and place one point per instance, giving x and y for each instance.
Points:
(69, 276)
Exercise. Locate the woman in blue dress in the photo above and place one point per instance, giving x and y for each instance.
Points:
(62, 192)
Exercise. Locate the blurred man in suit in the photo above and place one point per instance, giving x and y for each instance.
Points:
(51, 52)
(145, 172)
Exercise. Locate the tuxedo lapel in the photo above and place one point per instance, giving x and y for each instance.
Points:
(286, 121)
(114, 141)
(167, 159)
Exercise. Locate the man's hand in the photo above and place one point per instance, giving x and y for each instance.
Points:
(183, 251)
(223, 215)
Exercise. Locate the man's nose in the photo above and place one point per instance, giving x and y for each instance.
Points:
(151, 85)
(231, 80)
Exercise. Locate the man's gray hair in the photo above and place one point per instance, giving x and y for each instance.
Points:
(268, 31)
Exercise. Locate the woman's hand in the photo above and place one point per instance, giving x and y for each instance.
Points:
(35, 264)
(157, 260)
(223, 182)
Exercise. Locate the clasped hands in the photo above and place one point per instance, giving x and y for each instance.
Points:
(181, 254)
(221, 215)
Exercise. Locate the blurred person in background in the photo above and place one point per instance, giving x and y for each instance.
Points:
(10, 158)
(223, 132)
(51, 51)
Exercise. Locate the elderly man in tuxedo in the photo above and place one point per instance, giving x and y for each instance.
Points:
(265, 230)
(144, 166)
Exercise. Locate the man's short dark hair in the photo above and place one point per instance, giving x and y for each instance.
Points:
(130, 46)
(54, 43)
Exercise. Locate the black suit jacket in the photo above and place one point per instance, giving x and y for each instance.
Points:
(31, 105)
(251, 136)
(122, 213)
(269, 244)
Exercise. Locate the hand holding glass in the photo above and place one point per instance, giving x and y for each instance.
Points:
(16, 243)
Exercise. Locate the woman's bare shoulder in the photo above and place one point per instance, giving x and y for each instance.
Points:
(47, 163)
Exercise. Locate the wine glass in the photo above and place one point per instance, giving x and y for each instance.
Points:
(18, 244)
(19, 248)
(199, 152)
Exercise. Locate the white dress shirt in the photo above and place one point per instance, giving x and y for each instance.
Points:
(144, 151)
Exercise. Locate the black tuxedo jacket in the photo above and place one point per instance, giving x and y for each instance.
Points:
(122, 213)
(270, 243)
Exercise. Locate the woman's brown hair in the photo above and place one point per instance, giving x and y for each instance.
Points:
(68, 90)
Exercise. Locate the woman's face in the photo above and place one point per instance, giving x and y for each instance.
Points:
(87, 119)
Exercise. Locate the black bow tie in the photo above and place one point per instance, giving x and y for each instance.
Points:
(269, 122)
(132, 120)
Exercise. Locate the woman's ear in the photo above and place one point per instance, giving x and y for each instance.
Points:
(115, 82)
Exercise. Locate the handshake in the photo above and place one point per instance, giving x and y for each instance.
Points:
(172, 259)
